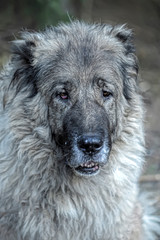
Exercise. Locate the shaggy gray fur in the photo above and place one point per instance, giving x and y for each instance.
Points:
(61, 86)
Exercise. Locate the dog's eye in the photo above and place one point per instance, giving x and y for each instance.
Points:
(106, 94)
(64, 95)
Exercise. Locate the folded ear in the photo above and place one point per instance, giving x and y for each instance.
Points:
(129, 63)
(22, 50)
(125, 36)
(22, 59)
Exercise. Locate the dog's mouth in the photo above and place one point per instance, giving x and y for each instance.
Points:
(87, 168)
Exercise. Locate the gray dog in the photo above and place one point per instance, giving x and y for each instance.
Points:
(71, 137)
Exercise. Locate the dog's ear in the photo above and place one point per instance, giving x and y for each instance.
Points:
(125, 36)
(22, 59)
(129, 64)
(22, 51)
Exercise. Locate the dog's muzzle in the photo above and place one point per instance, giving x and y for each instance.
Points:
(90, 153)
(89, 145)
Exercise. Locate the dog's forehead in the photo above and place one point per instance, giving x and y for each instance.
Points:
(79, 73)
(86, 62)
(80, 58)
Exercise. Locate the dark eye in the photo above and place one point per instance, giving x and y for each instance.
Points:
(106, 94)
(64, 95)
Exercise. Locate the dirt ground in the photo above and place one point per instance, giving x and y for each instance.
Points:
(143, 16)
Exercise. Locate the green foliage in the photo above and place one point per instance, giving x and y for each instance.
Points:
(32, 13)
(45, 12)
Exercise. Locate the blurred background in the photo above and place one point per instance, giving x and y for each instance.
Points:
(143, 16)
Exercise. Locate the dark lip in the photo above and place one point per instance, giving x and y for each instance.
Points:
(87, 171)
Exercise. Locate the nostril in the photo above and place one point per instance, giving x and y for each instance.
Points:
(90, 144)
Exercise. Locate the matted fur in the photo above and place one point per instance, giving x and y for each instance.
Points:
(41, 197)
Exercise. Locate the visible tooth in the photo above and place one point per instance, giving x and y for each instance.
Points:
(89, 164)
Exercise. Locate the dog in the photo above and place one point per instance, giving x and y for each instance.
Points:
(72, 139)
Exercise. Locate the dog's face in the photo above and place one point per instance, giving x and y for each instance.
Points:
(86, 108)
(84, 78)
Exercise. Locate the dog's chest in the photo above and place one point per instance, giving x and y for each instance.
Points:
(85, 217)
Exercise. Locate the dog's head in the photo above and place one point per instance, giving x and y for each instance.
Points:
(86, 75)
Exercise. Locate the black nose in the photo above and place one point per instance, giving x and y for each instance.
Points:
(90, 144)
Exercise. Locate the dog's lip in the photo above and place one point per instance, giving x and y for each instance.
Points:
(87, 168)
